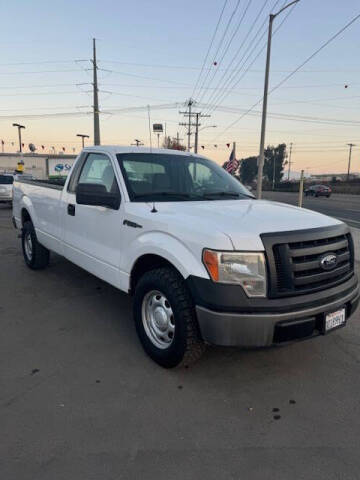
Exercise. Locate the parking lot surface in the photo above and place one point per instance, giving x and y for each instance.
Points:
(80, 400)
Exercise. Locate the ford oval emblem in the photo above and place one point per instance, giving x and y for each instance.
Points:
(328, 261)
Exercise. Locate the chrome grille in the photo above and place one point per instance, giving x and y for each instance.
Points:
(294, 260)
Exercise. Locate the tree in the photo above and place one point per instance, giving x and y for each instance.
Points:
(248, 170)
(173, 144)
(274, 157)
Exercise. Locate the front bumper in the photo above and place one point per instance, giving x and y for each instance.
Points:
(264, 328)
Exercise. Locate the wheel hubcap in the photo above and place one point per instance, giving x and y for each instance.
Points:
(158, 319)
(28, 246)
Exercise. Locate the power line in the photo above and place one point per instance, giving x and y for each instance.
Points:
(221, 42)
(221, 96)
(35, 94)
(228, 44)
(294, 71)
(210, 46)
(315, 53)
(144, 77)
(37, 72)
(14, 87)
(240, 48)
(251, 47)
(285, 116)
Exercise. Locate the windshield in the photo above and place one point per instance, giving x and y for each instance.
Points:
(6, 179)
(164, 177)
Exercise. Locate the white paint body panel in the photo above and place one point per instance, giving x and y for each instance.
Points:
(6, 193)
(97, 240)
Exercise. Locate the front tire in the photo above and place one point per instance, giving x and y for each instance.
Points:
(165, 319)
(35, 255)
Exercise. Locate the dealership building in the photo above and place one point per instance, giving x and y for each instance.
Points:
(38, 165)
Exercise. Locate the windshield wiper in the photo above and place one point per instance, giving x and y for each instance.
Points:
(163, 194)
(221, 194)
(226, 194)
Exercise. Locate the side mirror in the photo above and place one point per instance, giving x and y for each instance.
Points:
(96, 195)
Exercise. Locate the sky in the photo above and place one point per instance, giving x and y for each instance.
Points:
(154, 53)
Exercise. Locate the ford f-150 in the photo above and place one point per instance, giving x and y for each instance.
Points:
(205, 261)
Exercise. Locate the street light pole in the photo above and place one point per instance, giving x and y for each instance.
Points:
(19, 127)
(266, 89)
(199, 130)
(96, 98)
(289, 162)
(82, 138)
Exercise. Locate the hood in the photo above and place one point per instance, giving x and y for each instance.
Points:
(241, 220)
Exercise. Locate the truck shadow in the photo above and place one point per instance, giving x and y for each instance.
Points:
(115, 307)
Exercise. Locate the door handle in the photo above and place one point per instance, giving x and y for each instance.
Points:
(71, 209)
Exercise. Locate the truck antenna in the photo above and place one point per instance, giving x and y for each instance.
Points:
(153, 208)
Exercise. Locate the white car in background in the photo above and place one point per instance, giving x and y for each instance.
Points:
(6, 187)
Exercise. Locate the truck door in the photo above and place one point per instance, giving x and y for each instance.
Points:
(92, 234)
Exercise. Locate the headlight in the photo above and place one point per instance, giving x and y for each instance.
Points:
(245, 268)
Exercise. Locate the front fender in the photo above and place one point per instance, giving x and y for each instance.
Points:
(169, 247)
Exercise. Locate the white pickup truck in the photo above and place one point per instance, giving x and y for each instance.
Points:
(205, 261)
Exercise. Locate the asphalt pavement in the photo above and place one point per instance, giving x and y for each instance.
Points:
(343, 207)
(79, 400)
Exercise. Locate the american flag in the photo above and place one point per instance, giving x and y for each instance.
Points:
(232, 164)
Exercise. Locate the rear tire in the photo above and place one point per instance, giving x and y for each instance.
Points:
(165, 319)
(35, 255)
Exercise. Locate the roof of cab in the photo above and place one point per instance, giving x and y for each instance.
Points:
(134, 149)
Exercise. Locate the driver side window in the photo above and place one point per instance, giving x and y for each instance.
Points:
(98, 169)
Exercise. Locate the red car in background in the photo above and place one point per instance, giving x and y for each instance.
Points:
(318, 191)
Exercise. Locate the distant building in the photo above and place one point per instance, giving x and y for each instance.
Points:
(38, 165)
(329, 177)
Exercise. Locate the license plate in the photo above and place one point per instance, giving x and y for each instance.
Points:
(334, 319)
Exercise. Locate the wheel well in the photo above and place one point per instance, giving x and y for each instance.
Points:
(145, 264)
(25, 216)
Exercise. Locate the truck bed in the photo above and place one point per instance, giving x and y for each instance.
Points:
(56, 183)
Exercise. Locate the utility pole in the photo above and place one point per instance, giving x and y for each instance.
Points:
(96, 98)
(19, 127)
(189, 128)
(137, 142)
(196, 132)
(197, 125)
(273, 179)
(189, 124)
(264, 111)
(351, 145)
(289, 161)
(301, 188)
(82, 138)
